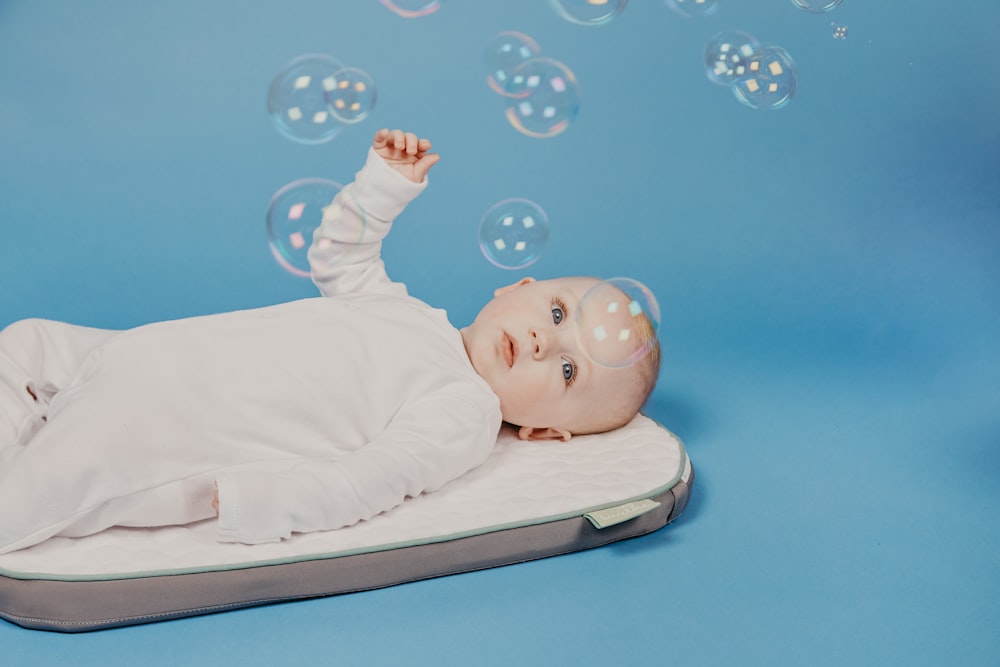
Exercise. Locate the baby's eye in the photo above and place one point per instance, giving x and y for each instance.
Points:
(558, 313)
(568, 371)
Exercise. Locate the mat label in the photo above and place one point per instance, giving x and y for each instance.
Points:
(614, 515)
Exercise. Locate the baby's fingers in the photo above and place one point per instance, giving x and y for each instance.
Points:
(380, 139)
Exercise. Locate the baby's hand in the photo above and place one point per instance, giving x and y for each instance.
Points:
(405, 153)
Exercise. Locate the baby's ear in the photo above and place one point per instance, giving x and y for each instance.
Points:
(533, 433)
(507, 288)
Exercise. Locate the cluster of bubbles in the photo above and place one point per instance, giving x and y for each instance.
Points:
(541, 96)
(761, 76)
(412, 9)
(513, 233)
(315, 96)
(617, 322)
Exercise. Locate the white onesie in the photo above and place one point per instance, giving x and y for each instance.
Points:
(309, 415)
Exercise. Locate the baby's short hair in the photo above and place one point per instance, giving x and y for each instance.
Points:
(646, 370)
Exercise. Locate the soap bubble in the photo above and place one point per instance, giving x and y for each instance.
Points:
(351, 96)
(589, 12)
(297, 101)
(726, 56)
(693, 8)
(770, 79)
(513, 233)
(411, 9)
(816, 6)
(505, 53)
(616, 322)
(544, 98)
(295, 211)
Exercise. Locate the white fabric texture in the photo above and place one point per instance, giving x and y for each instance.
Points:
(310, 415)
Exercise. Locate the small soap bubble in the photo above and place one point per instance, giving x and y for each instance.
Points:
(295, 211)
(726, 56)
(816, 6)
(839, 31)
(297, 102)
(504, 54)
(693, 8)
(544, 98)
(770, 80)
(412, 9)
(617, 322)
(589, 12)
(350, 95)
(513, 233)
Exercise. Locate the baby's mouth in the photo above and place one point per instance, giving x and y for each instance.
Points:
(508, 346)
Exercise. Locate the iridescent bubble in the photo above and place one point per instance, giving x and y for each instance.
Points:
(544, 98)
(770, 80)
(816, 6)
(504, 54)
(726, 56)
(693, 8)
(411, 9)
(616, 322)
(589, 12)
(295, 211)
(352, 95)
(513, 233)
(297, 102)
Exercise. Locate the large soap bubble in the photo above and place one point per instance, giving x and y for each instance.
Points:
(297, 99)
(504, 54)
(294, 213)
(513, 233)
(544, 98)
(770, 79)
(589, 12)
(816, 6)
(727, 54)
(693, 8)
(617, 322)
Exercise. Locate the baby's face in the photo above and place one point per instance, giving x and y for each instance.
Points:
(524, 345)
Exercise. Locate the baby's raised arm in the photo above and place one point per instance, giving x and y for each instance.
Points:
(405, 152)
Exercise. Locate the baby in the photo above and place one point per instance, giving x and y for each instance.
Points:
(304, 416)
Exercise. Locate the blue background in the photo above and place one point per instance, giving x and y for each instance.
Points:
(829, 275)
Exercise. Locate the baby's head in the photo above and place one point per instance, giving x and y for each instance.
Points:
(524, 345)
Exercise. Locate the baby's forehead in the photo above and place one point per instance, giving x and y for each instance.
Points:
(576, 284)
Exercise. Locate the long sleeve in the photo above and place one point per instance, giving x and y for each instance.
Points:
(428, 443)
(345, 253)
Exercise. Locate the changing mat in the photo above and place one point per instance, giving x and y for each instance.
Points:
(528, 500)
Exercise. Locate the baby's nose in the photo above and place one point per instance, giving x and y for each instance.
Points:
(538, 344)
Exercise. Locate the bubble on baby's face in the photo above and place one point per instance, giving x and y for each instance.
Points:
(295, 211)
(297, 101)
(616, 322)
(503, 54)
(513, 233)
(411, 9)
(816, 6)
(726, 56)
(350, 95)
(589, 12)
(770, 79)
(543, 98)
(693, 8)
